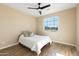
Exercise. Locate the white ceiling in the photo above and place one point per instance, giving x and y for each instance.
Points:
(55, 7)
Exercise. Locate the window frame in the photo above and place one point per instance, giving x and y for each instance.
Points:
(54, 28)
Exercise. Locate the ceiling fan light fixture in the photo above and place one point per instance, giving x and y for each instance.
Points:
(40, 12)
(40, 8)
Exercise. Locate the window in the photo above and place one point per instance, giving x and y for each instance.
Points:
(51, 23)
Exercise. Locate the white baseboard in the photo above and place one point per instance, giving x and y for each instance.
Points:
(53, 41)
(65, 43)
(8, 46)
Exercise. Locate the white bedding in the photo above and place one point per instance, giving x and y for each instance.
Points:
(35, 43)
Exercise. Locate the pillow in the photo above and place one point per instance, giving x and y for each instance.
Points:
(27, 33)
(32, 34)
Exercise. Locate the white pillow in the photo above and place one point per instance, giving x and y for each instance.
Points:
(32, 34)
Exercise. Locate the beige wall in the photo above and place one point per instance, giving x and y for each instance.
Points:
(78, 27)
(12, 23)
(67, 27)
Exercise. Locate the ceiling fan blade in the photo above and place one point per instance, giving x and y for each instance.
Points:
(40, 12)
(31, 8)
(44, 6)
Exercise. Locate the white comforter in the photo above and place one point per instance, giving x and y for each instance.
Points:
(35, 43)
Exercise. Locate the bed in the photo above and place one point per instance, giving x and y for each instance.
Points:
(35, 43)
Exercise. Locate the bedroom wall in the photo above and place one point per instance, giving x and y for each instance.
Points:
(77, 27)
(67, 27)
(12, 23)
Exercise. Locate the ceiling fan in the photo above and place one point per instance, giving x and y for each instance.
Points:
(40, 8)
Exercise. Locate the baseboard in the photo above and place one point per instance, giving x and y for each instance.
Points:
(53, 41)
(65, 43)
(8, 46)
